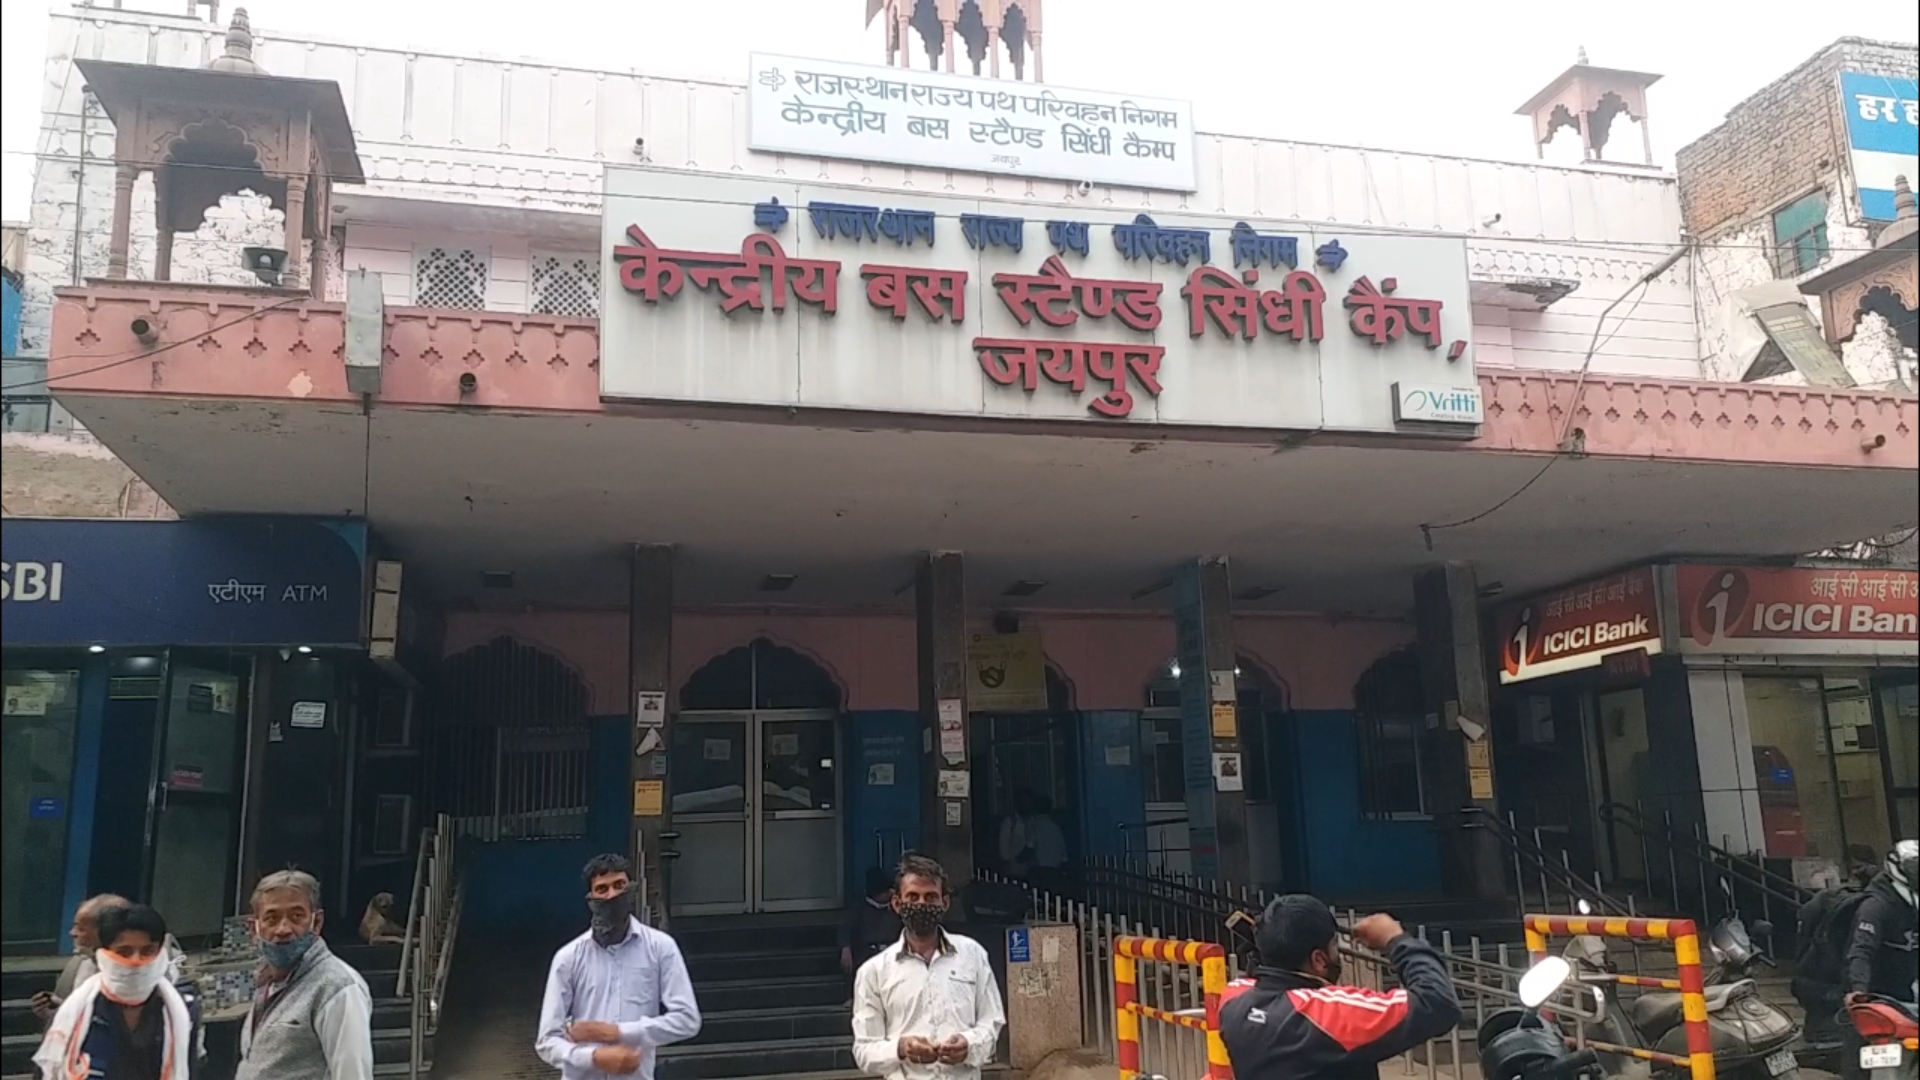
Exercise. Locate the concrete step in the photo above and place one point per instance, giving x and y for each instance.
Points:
(725, 1061)
(16, 1017)
(703, 937)
(16, 1053)
(748, 1025)
(723, 967)
(745, 994)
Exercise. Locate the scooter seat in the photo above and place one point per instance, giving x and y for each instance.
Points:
(1657, 1013)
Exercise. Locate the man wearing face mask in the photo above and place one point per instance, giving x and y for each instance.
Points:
(312, 1017)
(616, 993)
(927, 1006)
(1297, 1023)
(128, 1021)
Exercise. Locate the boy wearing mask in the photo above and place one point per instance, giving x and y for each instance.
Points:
(926, 1006)
(616, 993)
(129, 1019)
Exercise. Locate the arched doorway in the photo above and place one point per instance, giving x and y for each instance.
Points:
(1026, 763)
(511, 744)
(755, 785)
(1172, 759)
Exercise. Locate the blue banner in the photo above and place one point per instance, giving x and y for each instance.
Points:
(1883, 136)
(210, 582)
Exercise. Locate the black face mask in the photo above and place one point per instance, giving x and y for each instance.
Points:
(922, 920)
(1333, 970)
(611, 917)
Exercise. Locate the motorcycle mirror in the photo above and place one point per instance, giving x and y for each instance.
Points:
(1543, 979)
(1761, 928)
(1726, 887)
(1584, 907)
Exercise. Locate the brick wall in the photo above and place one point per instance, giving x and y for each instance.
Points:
(1782, 142)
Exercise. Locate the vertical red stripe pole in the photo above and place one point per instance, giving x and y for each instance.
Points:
(1693, 1000)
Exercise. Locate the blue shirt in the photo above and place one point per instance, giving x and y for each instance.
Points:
(639, 984)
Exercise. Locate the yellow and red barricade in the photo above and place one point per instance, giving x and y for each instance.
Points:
(1685, 936)
(1210, 958)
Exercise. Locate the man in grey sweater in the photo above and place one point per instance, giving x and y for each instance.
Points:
(312, 1016)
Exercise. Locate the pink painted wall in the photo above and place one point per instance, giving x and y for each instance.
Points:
(1107, 659)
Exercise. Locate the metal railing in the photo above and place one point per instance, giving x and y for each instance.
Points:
(1544, 872)
(1485, 976)
(1705, 880)
(432, 925)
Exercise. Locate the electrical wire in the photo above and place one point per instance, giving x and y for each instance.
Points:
(1617, 246)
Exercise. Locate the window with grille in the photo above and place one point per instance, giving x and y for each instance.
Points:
(448, 277)
(1800, 235)
(566, 285)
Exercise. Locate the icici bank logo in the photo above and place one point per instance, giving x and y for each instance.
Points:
(1519, 643)
(1722, 604)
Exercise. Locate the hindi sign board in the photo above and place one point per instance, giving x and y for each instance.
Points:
(929, 120)
(1883, 136)
(1578, 627)
(754, 292)
(1757, 610)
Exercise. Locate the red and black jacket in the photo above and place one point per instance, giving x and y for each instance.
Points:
(1289, 1026)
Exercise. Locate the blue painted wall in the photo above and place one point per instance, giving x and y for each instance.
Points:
(1113, 793)
(10, 305)
(1348, 857)
(892, 741)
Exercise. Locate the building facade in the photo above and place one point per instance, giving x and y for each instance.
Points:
(789, 504)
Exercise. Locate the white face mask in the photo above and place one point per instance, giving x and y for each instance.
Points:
(126, 981)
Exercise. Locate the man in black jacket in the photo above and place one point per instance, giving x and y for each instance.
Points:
(1297, 1023)
(1884, 958)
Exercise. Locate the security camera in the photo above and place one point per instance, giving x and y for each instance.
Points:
(1491, 222)
(469, 382)
(268, 264)
(640, 149)
(1083, 189)
(144, 332)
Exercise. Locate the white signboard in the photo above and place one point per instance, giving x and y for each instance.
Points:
(1437, 403)
(926, 119)
(751, 291)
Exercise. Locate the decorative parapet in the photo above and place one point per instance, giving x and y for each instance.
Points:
(217, 342)
(1747, 423)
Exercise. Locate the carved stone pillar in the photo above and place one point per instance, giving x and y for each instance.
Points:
(296, 232)
(163, 231)
(123, 177)
(1039, 70)
(946, 46)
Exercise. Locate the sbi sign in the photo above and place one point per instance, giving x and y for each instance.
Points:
(26, 582)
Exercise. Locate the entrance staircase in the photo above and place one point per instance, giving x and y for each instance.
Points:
(772, 996)
(19, 1030)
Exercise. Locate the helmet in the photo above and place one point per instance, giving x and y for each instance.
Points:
(1903, 868)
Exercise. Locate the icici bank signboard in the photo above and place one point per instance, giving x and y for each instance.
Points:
(1579, 626)
(1796, 611)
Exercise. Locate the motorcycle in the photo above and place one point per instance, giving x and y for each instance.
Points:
(1751, 1037)
(1520, 1044)
(1891, 1038)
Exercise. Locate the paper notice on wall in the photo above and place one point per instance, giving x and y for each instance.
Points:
(1221, 686)
(1479, 756)
(953, 714)
(717, 750)
(956, 811)
(880, 774)
(649, 796)
(955, 783)
(650, 708)
(1226, 773)
(1226, 720)
(953, 746)
(1121, 755)
(1480, 783)
(309, 714)
(28, 699)
(786, 744)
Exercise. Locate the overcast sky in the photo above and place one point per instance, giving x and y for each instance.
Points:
(1440, 77)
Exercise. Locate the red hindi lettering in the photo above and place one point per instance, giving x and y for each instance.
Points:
(1294, 308)
(1048, 294)
(1212, 293)
(940, 293)
(1380, 316)
(1007, 361)
(1011, 361)
(647, 269)
(739, 278)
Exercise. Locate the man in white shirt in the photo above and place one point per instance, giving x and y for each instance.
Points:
(929, 1001)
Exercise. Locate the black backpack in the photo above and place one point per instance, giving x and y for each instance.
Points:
(1826, 930)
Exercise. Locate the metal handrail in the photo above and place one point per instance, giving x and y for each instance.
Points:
(438, 902)
(1531, 854)
(1699, 850)
(413, 914)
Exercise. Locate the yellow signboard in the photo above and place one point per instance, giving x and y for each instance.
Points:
(1006, 672)
(649, 798)
(1226, 720)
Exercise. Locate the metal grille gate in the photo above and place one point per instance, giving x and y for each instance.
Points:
(512, 747)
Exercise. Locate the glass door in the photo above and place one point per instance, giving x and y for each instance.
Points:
(711, 756)
(797, 832)
(1899, 705)
(756, 801)
(202, 786)
(36, 770)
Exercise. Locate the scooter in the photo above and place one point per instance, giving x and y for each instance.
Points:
(1520, 1044)
(1751, 1037)
(1891, 1036)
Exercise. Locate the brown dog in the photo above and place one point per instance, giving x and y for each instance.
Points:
(377, 926)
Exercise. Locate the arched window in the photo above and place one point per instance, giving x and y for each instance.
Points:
(760, 675)
(512, 745)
